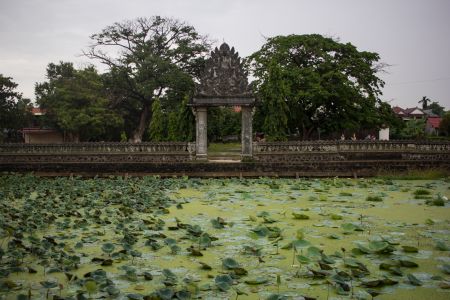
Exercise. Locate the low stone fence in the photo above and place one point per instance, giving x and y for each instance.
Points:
(306, 158)
(350, 150)
(97, 152)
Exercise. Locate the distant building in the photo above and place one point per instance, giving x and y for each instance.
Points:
(38, 134)
(433, 124)
(433, 121)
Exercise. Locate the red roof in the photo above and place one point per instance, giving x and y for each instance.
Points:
(409, 111)
(434, 122)
(38, 111)
(397, 109)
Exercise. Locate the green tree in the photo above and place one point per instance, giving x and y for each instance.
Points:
(414, 129)
(77, 103)
(329, 85)
(436, 108)
(444, 127)
(274, 110)
(173, 133)
(146, 59)
(425, 100)
(157, 124)
(186, 121)
(15, 111)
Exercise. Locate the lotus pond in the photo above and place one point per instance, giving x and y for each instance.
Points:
(151, 238)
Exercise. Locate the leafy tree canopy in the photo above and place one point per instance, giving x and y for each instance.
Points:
(15, 111)
(76, 102)
(425, 100)
(147, 59)
(326, 84)
(444, 127)
(436, 108)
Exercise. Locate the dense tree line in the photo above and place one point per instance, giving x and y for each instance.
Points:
(303, 83)
(15, 111)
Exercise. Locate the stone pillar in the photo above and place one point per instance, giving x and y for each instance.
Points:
(247, 132)
(201, 146)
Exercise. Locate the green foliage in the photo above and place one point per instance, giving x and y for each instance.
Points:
(15, 111)
(186, 121)
(325, 84)
(158, 58)
(436, 108)
(76, 102)
(274, 109)
(156, 129)
(425, 100)
(172, 127)
(374, 198)
(413, 129)
(445, 124)
(223, 121)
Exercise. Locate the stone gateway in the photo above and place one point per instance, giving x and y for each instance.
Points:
(223, 83)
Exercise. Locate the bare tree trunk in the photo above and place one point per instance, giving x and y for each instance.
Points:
(137, 134)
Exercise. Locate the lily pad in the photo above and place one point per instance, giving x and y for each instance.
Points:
(229, 263)
(256, 280)
(299, 216)
(410, 249)
(413, 280)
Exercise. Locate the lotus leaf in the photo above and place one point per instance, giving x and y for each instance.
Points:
(374, 198)
(408, 263)
(410, 249)
(446, 268)
(223, 282)
(298, 216)
(335, 217)
(334, 236)
(229, 263)
(303, 259)
(349, 227)
(108, 248)
(205, 266)
(380, 247)
(256, 280)
(441, 246)
(49, 284)
(351, 262)
(135, 296)
(301, 243)
(165, 293)
(314, 252)
(413, 280)
(183, 295)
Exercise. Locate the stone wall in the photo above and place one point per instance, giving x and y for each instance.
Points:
(296, 152)
(97, 152)
(293, 159)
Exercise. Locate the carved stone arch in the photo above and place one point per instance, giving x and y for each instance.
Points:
(223, 82)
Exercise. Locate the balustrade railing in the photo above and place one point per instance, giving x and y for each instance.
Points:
(351, 146)
(103, 148)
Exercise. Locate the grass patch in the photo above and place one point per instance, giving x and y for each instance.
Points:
(374, 198)
(224, 147)
(421, 192)
(416, 175)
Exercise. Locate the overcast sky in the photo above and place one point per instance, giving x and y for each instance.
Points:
(413, 36)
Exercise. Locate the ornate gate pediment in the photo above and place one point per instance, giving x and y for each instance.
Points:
(223, 81)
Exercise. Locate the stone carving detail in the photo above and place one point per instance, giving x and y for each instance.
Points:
(224, 75)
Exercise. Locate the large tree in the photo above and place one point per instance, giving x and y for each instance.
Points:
(77, 103)
(147, 58)
(444, 127)
(15, 111)
(326, 84)
(436, 108)
(425, 100)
